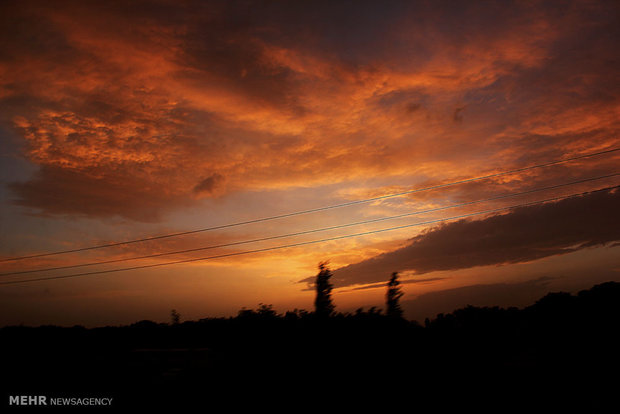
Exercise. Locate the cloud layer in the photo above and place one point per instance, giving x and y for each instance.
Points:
(160, 104)
(524, 234)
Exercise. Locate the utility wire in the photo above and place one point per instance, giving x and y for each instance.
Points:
(300, 233)
(12, 282)
(313, 210)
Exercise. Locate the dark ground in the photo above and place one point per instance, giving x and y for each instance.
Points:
(559, 354)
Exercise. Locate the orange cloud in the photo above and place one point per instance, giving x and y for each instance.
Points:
(159, 109)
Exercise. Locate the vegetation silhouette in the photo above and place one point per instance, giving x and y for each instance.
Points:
(392, 297)
(556, 354)
(175, 317)
(323, 305)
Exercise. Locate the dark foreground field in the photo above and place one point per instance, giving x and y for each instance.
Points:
(561, 353)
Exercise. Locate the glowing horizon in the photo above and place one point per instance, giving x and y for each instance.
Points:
(126, 121)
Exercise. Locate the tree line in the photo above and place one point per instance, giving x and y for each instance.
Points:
(324, 306)
(323, 303)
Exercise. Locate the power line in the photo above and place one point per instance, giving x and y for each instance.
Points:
(300, 233)
(314, 210)
(306, 242)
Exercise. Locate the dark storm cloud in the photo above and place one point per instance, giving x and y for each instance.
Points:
(524, 234)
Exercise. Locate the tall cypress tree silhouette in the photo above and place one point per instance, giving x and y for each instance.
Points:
(323, 303)
(392, 297)
(175, 317)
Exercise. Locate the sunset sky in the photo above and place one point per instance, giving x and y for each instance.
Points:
(122, 120)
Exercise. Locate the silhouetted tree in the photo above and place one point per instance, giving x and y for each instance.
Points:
(323, 303)
(392, 297)
(175, 317)
(266, 311)
(246, 313)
